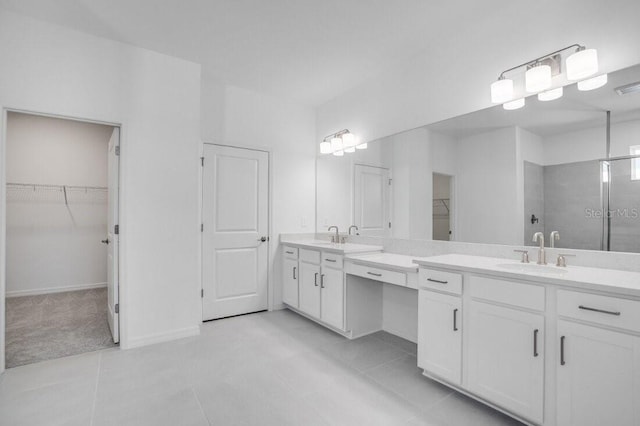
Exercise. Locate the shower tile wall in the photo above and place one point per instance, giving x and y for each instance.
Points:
(533, 200)
(571, 192)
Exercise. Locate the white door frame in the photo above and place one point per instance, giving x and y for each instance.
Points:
(3, 223)
(273, 243)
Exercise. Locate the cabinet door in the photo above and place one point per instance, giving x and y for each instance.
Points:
(598, 376)
(290, 275)
(505, 358)
(440, 335)
(309, 289)
(332, 284)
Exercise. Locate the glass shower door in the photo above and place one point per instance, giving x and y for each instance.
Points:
(621, 197)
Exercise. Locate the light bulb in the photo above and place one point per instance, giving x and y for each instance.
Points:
(502, 91)
(362, 146)
(338, 153)
(348, 139)
(592, 83)
(350, 149)
(550, 95)
(582, 64)
(538, 78)
(325, 147)
(518, 103)
(336, 144)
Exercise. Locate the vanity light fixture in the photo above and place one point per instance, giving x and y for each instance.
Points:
(517, 104)
(592, 83)
(537, 78)
(340, 142)
(539, 72)
(582, 64)
(550, 95)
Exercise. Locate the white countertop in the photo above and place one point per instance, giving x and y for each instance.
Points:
(332, 247)
(609, 280)
(396, 262)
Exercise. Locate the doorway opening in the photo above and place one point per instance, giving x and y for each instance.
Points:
(442, 207)
(62, 179)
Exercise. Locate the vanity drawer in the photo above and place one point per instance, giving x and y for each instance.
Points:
(611, 311)
(448, 282)
(290, 252)
(332, 259)
(527, 296)
(310, 256)
(391, 277)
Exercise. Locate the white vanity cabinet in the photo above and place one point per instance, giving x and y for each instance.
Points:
(290, 276)
(505, 344)
(505, 358)
(440, 335)
(598, 370)
(320, 286)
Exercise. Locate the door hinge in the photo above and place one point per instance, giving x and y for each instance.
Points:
(202, 161)
(389, 224)
(390, 181)
(117, 308)
(118, 150)
(202, 292)
(202, 227)
(116, 229)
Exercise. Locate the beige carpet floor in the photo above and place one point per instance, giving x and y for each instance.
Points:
(56, 325)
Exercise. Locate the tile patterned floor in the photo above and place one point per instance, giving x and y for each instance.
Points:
(56, 325)
(272, 368)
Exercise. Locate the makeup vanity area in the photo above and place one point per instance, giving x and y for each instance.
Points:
(445, 215)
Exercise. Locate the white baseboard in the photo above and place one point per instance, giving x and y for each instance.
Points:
(160, 337)
(49, 290)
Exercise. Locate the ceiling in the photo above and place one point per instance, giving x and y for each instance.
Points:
(576, 110)
(309, 51)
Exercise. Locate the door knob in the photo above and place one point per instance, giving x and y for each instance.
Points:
(105, 241)
(262, 239)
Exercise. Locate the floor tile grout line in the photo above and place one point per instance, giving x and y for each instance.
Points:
(195, 394)
(95, 391)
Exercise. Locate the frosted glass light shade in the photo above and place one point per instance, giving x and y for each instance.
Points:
(325, 147)
(538, 78)
(550, 95)
(348, 139)
(362, 146)
(338, 153)
(592, 83)
(336, 144)
(582, 64)
(510, 106)
(350, 149)
(501, 91)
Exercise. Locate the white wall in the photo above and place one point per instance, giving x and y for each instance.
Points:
(487, 189)
(235, 116)
(52, 246)
(454, 79)
(590, 144)
(156, 98)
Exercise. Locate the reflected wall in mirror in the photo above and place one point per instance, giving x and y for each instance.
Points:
(549, 166)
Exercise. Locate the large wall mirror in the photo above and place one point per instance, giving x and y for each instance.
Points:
(497, 176)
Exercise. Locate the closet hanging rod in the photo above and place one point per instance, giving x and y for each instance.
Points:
(35, 186)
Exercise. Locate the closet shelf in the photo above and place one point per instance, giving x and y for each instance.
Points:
(35, 192)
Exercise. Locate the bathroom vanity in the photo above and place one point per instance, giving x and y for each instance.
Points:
(548, 345)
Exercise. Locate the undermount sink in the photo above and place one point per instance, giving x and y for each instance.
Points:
(533, 268)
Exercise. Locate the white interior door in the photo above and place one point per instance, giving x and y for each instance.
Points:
(112, 236)
(371, 200)
(235, 224)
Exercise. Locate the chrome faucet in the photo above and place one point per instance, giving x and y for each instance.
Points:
(336, 238)
(553, 237)
(542, 257)
(351, 227)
